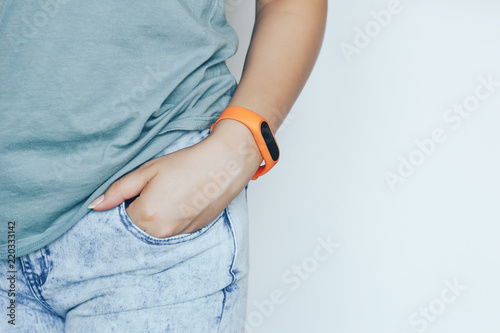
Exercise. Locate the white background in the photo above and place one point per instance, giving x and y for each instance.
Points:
(349, 127)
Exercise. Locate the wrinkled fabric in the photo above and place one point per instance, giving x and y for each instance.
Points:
(107, 275)
(89, 90)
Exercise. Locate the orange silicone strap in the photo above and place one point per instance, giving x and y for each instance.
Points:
(254, 123)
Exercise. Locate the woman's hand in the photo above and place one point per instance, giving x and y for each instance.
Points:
(183, 191)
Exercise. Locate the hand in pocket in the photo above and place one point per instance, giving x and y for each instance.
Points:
(184, 191)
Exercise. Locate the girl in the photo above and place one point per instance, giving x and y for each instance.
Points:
(107, 105)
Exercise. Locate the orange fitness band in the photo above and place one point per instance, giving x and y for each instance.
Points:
(262, 134)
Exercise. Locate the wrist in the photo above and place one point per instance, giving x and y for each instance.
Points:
(239, 141)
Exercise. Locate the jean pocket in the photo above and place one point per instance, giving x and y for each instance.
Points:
(152, 240)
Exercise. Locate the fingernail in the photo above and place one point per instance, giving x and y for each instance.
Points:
(96, 202)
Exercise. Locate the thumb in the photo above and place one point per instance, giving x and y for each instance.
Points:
(124, 188)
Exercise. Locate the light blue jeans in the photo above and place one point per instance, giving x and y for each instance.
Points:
(107, 275)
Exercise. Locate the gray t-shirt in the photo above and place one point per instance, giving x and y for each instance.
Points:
(89, 90)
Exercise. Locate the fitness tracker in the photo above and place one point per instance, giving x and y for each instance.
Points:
(262, 134)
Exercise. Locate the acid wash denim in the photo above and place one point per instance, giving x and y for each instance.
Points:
(107, 275)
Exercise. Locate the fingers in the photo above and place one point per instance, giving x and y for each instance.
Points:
(124, 188)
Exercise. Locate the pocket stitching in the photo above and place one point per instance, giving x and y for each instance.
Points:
(143, 236)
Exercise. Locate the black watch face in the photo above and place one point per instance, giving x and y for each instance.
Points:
(270, 142)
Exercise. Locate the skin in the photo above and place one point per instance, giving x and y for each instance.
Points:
(285, 43)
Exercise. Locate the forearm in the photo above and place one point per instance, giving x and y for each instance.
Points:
(286, 40)
(285, 43)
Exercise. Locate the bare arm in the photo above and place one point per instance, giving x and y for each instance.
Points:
(285, 43)
(284, 46)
